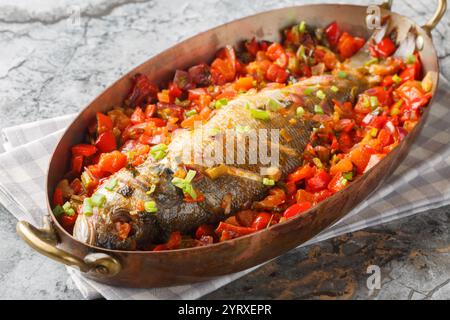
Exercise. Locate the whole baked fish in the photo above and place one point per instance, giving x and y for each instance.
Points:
(225, 186)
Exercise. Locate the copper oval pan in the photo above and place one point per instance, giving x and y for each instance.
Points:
(157, 269)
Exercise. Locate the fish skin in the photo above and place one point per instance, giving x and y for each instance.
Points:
(174, 214)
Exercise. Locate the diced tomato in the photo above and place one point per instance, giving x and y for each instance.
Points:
(86, 150)
(143, 91)
(164, 97)
(77, 163)
(385, 48)
(276, 74)
(337, 183)
(106, 142)
(261, 221)
(138, 116)
(112, 162)
(344, 165)
(104, 123)
(333, 33)
(319, 182)
(296, 209)
(58, 197)
(305, 172)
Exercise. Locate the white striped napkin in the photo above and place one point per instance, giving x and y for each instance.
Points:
(421, 183)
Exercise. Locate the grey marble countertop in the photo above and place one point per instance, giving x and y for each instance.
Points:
(54, 61)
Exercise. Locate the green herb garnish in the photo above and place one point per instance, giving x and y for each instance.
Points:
(342, 74)
(150, 206)
(300, 111)
(220, 103)
(318, 109)
(189, 113)
(111, 184)
(321, 95)
(98, 200)
(268, 182)
(260, 114)
(58, 210)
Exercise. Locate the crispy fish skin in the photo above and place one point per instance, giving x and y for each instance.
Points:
(175, 214)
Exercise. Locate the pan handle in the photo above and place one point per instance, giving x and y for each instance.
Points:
(431, 24)
(45, 240)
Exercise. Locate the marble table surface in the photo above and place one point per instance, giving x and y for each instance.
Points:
(57, 55)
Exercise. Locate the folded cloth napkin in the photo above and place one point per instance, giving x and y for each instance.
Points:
(421, 183)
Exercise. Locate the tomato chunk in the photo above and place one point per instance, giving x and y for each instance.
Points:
(112, 162)
(296, 209)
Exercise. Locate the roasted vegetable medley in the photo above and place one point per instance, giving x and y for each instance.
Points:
(355, 99)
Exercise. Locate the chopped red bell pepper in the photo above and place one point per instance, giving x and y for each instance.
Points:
(104, 123)
(276, 74)
(337, 183)
(385, 48)
(58, 197)
(262, 220)
(333, 33)
(239, 231)
(150, 110)
(77, 163)
(414, 96)
(204, 230)
(106, 142)
(68, 221)
(412, 71)
(82, 149)
(112, 162)
(305, 172)
(319, 182)
(138, 116)
(297, 209)
(349, 45)
(277, 54)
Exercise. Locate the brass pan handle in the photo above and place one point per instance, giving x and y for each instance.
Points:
(44, 241)
(432, 23)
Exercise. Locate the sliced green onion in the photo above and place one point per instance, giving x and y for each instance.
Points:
(344, 181)
(374, 132)
(150, 206)
(268, 182)
(371, 62)
(260, 114)
(320, 94)
(318, 163)
(88, 209)
(411, 59)
(58, 210)
(374, 103)
(151, 190)
(300, 111)
(342, 74)
(366, 102)
(334, 89)
(308, 91)
(348, 176)
(318, 109)
(243, 129)
(301, 54)
(190, 175)
(98, 200)
(220, 103)
(159, 151)
(111, 184)
(274, 105)
(396, 79)
(189, 113)
(66, 206)
(214, 131)
(302, 27)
